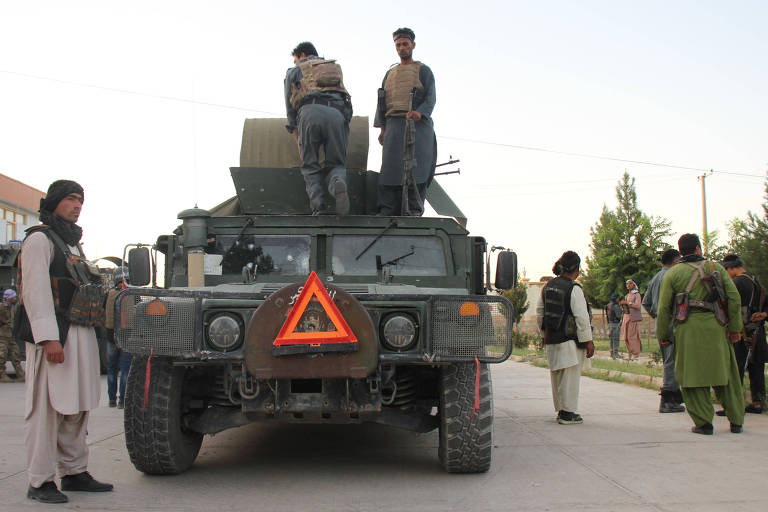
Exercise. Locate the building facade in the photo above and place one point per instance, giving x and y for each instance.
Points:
(19, 205)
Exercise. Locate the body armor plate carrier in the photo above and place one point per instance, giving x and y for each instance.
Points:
(317, 75)
(401, 80)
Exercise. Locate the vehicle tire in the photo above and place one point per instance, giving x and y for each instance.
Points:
(465, 441)
(155, 437)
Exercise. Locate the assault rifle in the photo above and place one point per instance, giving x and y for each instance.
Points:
(409, 160)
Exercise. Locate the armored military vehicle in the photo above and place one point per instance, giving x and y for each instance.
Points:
(271, 314)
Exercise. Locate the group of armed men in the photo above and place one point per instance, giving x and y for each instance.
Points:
(319, 110)
(710, 323)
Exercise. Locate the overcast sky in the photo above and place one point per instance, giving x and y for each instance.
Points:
(143, 103)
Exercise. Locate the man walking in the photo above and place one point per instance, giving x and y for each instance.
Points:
(118, 362)
(62, 352)
(613, 315)
(394, 107)
(563, 318)
(751, 350)
(9, 349)
(707, 312)
(671, 397)
(319, 110)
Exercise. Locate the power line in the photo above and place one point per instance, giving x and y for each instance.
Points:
(138, 93)
(473, 141)
(599, 157)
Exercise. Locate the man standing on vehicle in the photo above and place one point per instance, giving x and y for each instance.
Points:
(319, 110)
(394, 107)
(706, 308)
(62, 355)
(751, 350)
(563, 317)
(671, 397)
(9, 349)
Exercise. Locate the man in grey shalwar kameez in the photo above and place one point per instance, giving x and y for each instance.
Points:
(63, 382)
(391, 114)
(671, 396)
(318, 108)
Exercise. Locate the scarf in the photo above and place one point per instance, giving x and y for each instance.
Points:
(70, 232)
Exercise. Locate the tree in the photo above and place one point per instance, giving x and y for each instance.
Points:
(715, 251)
(749, 239)
(626, 244)
(518, 296)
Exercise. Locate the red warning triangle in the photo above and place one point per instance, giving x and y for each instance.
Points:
(288, 334)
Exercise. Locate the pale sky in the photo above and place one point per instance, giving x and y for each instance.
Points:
(143, 103)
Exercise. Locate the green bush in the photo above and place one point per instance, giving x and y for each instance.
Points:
(524, 340)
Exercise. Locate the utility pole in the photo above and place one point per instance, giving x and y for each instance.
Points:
(705, 233)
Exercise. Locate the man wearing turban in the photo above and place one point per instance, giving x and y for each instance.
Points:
(62, 357)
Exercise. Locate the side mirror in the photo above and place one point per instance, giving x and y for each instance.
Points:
(506, 270)
(139, 266)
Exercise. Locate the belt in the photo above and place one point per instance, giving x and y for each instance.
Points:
(699, 304)
(321, 101)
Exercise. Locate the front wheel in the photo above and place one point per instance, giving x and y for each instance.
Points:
(465, 441)
(155, 437)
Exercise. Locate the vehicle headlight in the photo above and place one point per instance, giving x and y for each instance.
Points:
(225, 332)
(399, 332)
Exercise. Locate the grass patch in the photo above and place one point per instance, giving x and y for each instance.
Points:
(653, 370)
(592, 374)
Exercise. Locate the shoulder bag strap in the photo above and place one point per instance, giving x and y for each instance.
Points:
(77, 273)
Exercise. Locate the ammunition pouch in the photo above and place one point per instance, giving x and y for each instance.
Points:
(86, 306)
(681, 307)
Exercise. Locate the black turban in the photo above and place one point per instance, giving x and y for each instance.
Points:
(404, 32)
(57, 191)
(68, 231)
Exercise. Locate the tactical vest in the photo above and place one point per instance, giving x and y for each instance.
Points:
(398, 86)
(318, 75)
(78, 294)
(559, 324)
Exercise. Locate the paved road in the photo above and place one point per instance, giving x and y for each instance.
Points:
(625, 457)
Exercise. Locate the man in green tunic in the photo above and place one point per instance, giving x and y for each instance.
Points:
(704, 355)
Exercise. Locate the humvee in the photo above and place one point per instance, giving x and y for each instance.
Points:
(271, 314)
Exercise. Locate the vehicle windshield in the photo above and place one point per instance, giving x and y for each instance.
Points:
(402, 255)
(283, 255)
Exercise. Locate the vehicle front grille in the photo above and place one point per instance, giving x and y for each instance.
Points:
(469, 327)
(160, 323)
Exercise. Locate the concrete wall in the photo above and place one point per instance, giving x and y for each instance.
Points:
(599, 322)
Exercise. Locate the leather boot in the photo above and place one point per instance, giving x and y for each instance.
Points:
(668, 403)
(5, 378)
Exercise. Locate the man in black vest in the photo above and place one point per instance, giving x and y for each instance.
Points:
(563, 317)
(752, 350)
(63, 382)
